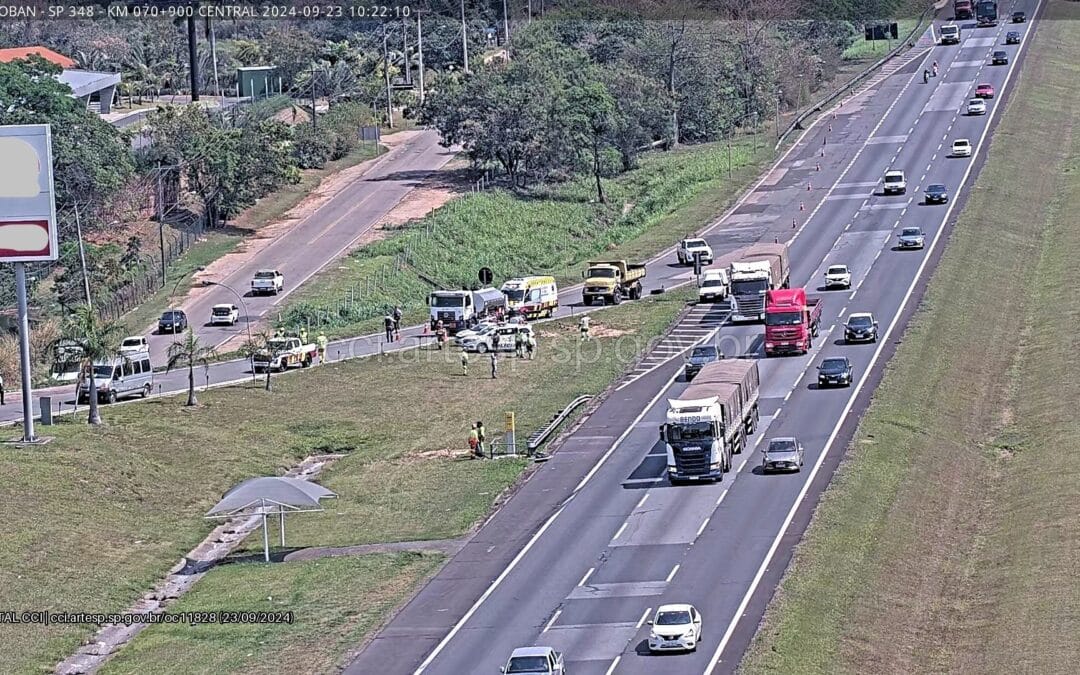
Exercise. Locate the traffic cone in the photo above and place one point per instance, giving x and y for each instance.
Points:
(809, 187)
(793, 223)
(817, 167)
(802, 207)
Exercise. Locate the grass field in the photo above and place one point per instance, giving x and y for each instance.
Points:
(550, 230)
(948, 540)
(93, 518)
(335, 603)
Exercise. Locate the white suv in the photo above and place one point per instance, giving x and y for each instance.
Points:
(894, 183)
(837, 276)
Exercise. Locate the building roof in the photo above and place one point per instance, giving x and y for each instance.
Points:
(86, 82)
(8, 55)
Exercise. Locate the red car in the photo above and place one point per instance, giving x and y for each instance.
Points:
(984, 91)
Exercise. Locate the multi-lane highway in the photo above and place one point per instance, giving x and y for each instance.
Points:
(597, 538)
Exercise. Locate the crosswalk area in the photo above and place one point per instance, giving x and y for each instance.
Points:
(701, 322)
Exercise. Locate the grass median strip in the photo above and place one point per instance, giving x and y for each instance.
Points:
(95, 517)
(947, 541)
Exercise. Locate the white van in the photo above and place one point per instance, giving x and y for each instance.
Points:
(125, 375)
(714, 285)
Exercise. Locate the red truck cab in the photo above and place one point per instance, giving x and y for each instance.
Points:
(791, 321)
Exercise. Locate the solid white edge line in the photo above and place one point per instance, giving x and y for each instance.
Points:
(855, 393)
(539, 533)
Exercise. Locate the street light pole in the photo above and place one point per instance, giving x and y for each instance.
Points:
(247, 319)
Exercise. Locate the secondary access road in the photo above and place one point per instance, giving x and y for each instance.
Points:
(315, 241)
(766, 212)
(597, 538)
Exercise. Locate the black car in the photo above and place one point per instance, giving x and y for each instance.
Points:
(172, 321)
(835, 371)
(860, 327)
(936, 194)
(1019, 17)
(1012, 37)
(999, 58)
(698, 358)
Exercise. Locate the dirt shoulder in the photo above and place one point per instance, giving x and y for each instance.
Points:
(947, 542)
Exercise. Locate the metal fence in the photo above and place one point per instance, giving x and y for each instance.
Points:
(139, 288)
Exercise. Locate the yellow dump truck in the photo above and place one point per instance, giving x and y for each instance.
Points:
(612, 281)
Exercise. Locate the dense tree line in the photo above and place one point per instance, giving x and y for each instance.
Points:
(590, 94)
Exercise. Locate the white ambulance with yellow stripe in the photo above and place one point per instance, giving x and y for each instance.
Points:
(532, 297)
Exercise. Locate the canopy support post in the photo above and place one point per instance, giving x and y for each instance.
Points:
(266, 539)
(281, 515)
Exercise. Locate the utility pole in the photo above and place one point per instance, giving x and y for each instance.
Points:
(313, 71)
(386, 76)
(420, 50)
(506, 31)
(464, 39)
(193, 58)
(406, 62)
(160, 220)
(82, 257)
(528, 10)
(779, 93)
(213, 57)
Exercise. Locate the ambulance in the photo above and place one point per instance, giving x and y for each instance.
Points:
(532, 297)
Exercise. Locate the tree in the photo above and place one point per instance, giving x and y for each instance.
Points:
(91, 158)
(99, 340)
(258, 342)
(187, 352)
(591, 122)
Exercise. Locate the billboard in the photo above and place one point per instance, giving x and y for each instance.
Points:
(27, 204)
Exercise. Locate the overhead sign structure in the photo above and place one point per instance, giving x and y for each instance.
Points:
(28, 231)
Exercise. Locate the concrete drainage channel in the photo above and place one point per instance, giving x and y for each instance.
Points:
(219, 543)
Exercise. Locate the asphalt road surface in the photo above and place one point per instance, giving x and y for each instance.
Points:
(597, 538)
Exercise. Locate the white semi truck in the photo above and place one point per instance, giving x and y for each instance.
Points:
(762, 268)
(711, 421)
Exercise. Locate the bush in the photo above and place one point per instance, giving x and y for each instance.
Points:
(312, 149)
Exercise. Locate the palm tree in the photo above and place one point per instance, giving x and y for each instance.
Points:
(99, 340)
(187, 352)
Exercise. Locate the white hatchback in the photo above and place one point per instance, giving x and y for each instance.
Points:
(961, 147)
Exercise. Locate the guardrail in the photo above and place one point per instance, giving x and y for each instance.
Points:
(817, 107)
(540, 435)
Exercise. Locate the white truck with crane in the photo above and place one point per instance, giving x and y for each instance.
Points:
(709, 422)
(762, 268)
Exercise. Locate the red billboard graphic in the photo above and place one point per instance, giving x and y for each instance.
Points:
(25, 239)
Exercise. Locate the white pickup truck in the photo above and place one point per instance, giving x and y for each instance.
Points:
(267, 281)
(284, 353)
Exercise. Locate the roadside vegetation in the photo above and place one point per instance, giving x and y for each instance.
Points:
(95, 517)
(547, 230)
(947, 542)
